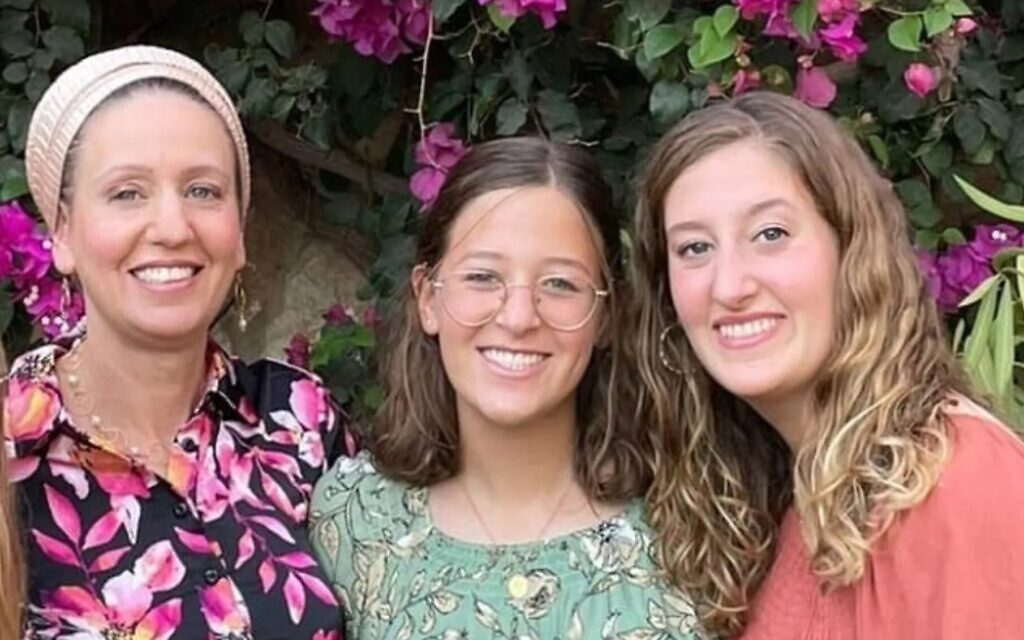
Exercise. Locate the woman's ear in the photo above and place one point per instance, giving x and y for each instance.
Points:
(63, 256)
(424, 291)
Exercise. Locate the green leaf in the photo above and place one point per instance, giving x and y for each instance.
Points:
(917, 199)
(880, 149)
(952, 235)
(65, 44)
(938, 159)
(511, 117)
(803, 17)
(282, 107)
(518, 73)
(235, 76)
(662, 39)
(1002, 343)
(1011, 212)
(937, 20)
(905, 33)
(979, 291)
(725, 19)
(17, 124)
(669, 101)
(1013, 150)
(17, 44)
(499, 19)
(648, 12)
(558, 113)
(252, 28)
(711, 49)
(43, 60)
(259, 97)
(976, 345)
(995, 115)
(1020, 280)
(986, 154)
(958, 8)
(444, 9)
(280, 36)
(36, 85)
(13, 187)
(70, 13)
(969, 129)
(702, 24)
(958, 335)
(981, 75)
(16, 72)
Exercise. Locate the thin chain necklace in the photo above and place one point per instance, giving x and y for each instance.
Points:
(156, 454)
(543, 530)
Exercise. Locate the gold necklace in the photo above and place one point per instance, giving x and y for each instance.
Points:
(156, 454)
(487, 530)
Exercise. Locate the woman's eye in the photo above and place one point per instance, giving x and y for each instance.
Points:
(203, 192)
(692, 249)
(126, 195)
(480, 277)
(561, 284)
(772, 234)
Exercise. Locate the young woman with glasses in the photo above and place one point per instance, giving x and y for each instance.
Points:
(500, 493)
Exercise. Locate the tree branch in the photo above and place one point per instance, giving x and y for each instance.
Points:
(336, 161)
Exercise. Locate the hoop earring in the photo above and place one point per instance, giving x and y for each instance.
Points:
(65, 296)
(666, 361)
(243, 308)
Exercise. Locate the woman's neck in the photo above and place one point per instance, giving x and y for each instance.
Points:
(791, 416)
(152, 390)
(516, 483)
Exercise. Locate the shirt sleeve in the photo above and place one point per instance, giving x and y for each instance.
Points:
(953, 566)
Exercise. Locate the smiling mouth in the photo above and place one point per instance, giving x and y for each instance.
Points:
(744, 330)
(513, 360)
(164, 275)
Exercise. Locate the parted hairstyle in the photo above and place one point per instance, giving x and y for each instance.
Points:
(416, 434)
(723, 477)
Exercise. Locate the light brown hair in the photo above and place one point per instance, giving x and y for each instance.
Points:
(416, 433)
(723, 476)
(12, 581)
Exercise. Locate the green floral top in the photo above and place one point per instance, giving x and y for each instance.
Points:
(400, 578)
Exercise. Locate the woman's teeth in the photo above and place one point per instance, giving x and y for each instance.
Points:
(164, 275)
(513, 360)
(747, 329)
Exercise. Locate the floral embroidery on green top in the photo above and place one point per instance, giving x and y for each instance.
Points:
(400, 578)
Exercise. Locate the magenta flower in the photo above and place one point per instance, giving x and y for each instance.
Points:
(965, 26)
(962, 271)
(841, 39)
(547, 10)
(920, 79)
(379, 28)
(745, 80)
(836, 10)
(436, 153)
(991, 239)
(297, 351)
(370, 317)
(337, 316)
(814, 87)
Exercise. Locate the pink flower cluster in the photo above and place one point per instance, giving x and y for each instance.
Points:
(380, 28)
(436, 153)
(26, 261)
(836, 32)
(954, 273)
(547, 10)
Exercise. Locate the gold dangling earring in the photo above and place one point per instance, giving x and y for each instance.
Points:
(242, 306)
(65, 296)
(663, 350)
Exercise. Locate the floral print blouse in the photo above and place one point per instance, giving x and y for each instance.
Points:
(217, 549)
(399, 578)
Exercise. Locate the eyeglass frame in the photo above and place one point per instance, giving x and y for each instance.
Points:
(437, 284)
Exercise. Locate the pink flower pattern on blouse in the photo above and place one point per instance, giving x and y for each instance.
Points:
(217, 549)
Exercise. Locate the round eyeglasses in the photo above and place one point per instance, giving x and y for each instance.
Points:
(473, 297)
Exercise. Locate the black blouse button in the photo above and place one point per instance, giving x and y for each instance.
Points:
(211, 576)
(180, 510)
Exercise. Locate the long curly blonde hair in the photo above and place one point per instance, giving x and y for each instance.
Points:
(723, 477)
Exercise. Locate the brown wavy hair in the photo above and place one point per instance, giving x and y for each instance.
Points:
(416, 436)
(12, 580)
(723, 477)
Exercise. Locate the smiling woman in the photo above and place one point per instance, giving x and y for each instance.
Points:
(167, 482)
(500, 496)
